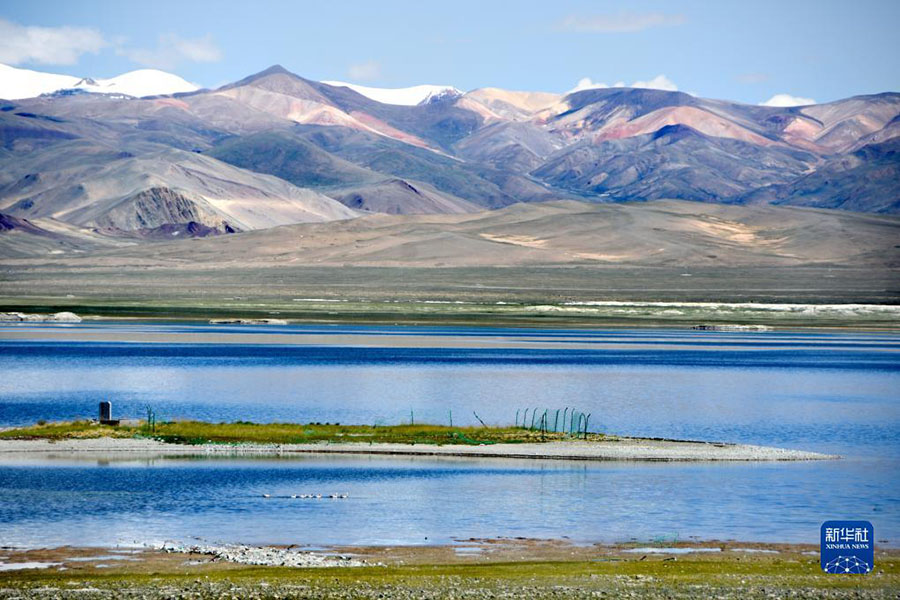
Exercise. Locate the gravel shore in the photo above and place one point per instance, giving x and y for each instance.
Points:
(265, 555)
(626, 449)
(504, 568)
(447, 589)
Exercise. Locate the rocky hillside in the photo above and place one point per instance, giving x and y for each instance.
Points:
(275, 149)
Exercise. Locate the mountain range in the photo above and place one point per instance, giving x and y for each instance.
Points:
(145, 156)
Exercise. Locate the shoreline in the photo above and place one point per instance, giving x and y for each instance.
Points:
(535, 322)
(618, 449)
(459, 309)
(348, 555)
(474, 569)
(501, 336)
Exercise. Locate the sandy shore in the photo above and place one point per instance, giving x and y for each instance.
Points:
(625, 449)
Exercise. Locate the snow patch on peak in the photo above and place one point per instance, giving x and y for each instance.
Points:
(408, 96)
(16, 84)
(786, 100)
(143, 82)
(445, 94)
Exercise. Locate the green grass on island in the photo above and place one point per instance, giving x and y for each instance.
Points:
(197, 432)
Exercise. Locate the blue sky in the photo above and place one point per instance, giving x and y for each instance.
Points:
(746, 51)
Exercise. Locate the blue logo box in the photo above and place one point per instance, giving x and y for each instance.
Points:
(847, 547)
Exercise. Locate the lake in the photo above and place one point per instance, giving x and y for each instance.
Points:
(827, 392)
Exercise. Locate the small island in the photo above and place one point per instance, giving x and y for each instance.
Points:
(196, 438)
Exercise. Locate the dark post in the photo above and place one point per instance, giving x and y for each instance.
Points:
(105, 411)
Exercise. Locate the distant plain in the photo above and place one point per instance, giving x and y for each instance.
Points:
(524, 264)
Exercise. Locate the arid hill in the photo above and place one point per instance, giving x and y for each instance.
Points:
(663, 234)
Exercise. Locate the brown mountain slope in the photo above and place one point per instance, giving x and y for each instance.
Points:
(83, 185)
(400, 197)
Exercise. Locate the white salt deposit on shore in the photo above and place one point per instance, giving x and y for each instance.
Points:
(60, 317)
(626, 449)
(655, 550)
(265, 555)
(27, 565)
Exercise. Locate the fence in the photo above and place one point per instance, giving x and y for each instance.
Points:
(574, 423)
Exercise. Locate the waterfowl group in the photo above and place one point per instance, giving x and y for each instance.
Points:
(312, 496)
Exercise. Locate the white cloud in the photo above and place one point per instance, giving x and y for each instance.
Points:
(660, 82)
(172, 49)
(585, 83)
(787, 100)
(46, 45)
(366, 71)
(623, 22)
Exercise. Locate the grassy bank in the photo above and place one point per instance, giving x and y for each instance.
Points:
(596, 572)
(197, 432)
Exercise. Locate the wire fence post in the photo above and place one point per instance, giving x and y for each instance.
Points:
(574, 423)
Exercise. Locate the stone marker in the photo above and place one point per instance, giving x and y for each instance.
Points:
(106, 414)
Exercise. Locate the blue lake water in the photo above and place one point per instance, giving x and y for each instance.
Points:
(830, 392)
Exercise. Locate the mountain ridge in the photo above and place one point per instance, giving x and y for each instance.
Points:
(275, 148)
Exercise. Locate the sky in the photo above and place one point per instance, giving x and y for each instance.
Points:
(748, 51)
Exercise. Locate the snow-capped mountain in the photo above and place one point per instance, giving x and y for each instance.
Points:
(143, 82)
(22, 83)
(17, 83)
(408, 96)
(487, 149)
